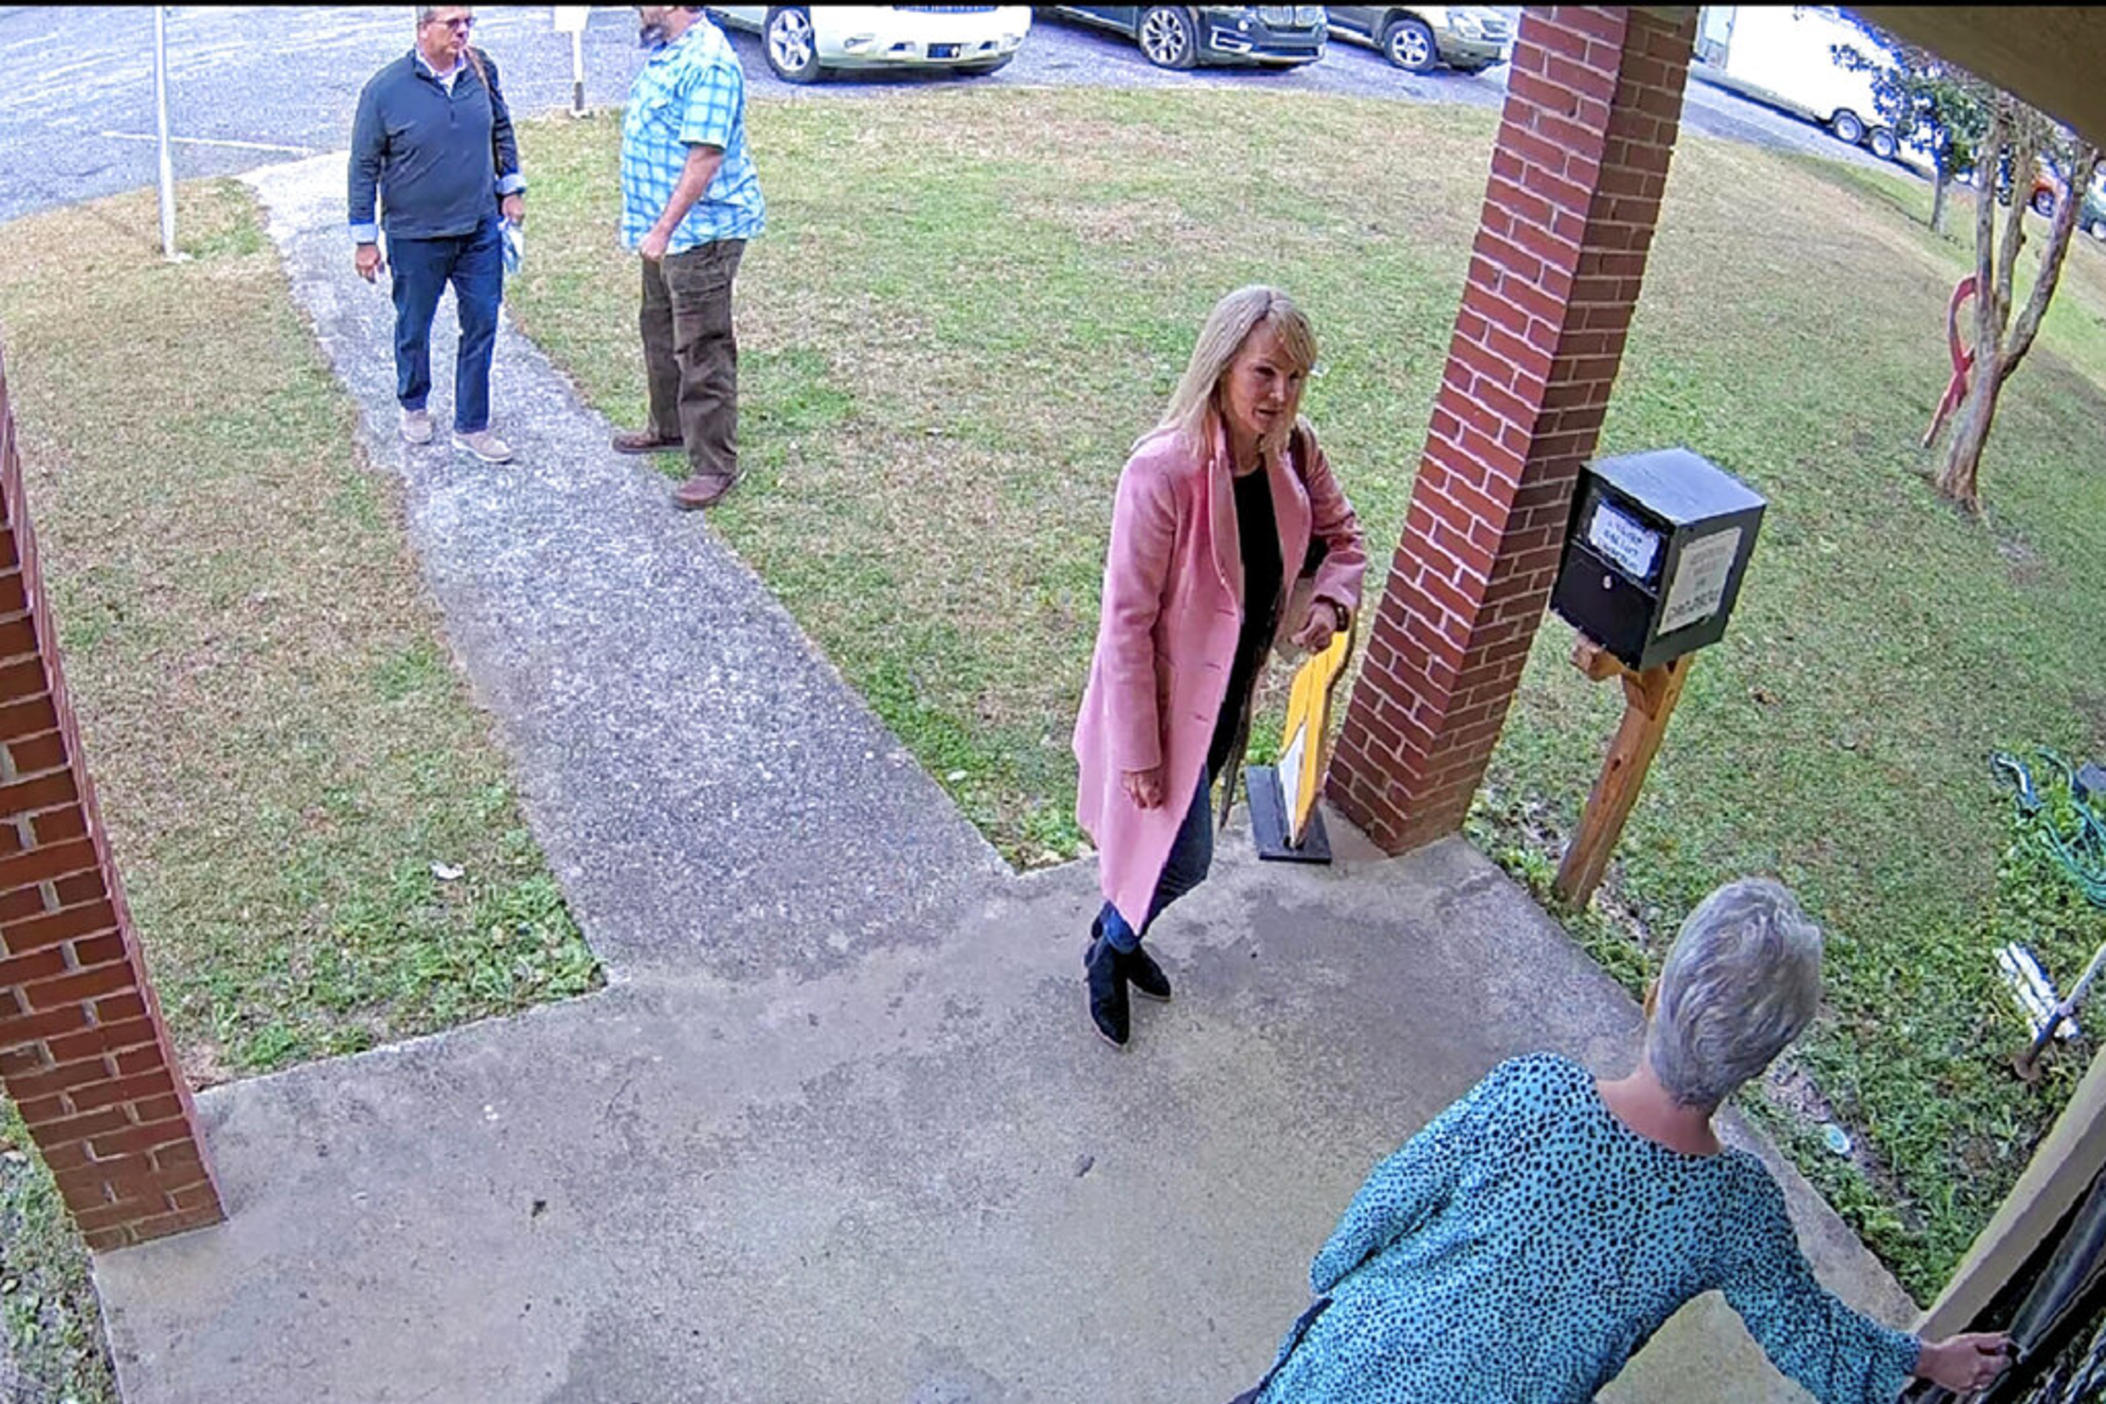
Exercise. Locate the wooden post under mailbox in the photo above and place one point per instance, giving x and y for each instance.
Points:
(1649, 700)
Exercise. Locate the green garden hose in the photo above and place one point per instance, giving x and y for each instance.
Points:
(2082, 855)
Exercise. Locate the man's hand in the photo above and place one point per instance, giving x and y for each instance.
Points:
(513, 207)
(653, 245)
(367, 261)
(1143, 787)
(1964, 1364)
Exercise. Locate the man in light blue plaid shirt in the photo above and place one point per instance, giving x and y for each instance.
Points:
(690, 201)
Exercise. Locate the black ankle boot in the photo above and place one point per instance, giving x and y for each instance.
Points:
(1143, 973)
(1107, 988)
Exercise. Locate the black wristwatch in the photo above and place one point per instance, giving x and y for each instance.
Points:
(1345, 616)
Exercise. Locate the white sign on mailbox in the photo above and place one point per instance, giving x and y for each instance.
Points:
(1624, 540)
(570, 19)
(1700, 580)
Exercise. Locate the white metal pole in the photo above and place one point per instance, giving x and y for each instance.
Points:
(577, 73)
(168, 248)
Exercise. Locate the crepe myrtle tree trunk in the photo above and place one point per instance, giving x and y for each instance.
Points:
(1999, 342)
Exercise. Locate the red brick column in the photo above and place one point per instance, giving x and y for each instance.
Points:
(83, 1052)
(1593, 104)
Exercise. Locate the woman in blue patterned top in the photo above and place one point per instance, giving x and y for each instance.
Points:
(1536, 1233)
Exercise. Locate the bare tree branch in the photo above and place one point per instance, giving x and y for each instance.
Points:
(2015, 142)
(1986, 326)
(2060, 230)
(2025, 160)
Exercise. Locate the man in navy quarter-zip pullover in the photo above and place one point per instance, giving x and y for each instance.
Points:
(433, 139)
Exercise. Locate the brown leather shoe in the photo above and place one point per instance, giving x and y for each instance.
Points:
(702, 490)
(642, 441)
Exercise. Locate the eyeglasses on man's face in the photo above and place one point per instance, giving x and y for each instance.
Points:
(460, 24)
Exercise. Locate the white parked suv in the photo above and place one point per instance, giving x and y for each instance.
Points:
(805, 42)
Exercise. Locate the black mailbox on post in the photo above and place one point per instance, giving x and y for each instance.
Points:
(1654, 555)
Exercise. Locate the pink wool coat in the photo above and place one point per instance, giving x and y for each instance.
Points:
(1166, 635)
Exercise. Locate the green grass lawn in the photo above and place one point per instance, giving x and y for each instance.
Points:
(48, 1308)
(286, 753)
(286, 756)
(968, 304)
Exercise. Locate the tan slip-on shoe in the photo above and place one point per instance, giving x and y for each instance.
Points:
(484, 445)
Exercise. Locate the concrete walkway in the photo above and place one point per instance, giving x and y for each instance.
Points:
(839, 1129)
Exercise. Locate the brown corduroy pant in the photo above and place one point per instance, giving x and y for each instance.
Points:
(691, 357)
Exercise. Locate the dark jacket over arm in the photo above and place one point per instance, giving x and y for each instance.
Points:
(502, 140)
(369, 144)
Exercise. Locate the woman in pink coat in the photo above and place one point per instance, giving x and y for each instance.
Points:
(1229, 534)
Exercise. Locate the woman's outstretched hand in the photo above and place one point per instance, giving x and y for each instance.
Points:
(1317, 627)
(1964, 1364)
(1143, 787)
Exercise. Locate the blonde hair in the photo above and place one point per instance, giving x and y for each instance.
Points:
(1227, 327)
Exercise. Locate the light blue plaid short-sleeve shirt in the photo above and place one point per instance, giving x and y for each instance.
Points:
(690, 92)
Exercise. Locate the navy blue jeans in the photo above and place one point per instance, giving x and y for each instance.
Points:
(421, 268)
(1191, 854)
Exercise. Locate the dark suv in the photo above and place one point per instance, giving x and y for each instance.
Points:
(1185, 36)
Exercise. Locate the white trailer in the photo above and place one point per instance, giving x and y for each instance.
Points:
(1784, 56)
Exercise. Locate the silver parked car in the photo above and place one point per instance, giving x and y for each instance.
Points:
(803, 43)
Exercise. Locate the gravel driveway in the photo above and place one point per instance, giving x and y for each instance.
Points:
(251, 85)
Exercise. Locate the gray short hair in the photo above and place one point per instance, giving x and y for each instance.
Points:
(1741, 982)
(425, 12)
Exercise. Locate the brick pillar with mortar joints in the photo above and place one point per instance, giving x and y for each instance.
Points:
(84, 1054)
(1593, 105)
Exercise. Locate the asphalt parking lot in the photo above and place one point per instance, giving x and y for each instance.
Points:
(252, 85)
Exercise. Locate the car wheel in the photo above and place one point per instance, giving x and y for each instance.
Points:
(1166, 37)
(1408, 43)
(2098, 229)
(2043, 204)
(984, 66)
(791, 46)
(1847, 126)
(1882, 144)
